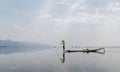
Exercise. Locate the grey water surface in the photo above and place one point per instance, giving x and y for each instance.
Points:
(53, 60)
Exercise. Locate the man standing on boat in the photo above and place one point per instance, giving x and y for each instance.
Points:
(63, 43)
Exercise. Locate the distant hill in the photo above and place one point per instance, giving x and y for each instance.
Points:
(8, 43)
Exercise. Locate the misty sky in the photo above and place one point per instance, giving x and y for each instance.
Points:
(79, 22)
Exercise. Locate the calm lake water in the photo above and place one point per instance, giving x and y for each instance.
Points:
(54, 60)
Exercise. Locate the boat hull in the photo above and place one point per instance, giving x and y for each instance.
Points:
(93, 50)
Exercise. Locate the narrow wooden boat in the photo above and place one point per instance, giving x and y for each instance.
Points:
(87, 50)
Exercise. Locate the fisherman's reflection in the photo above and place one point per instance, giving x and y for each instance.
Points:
(63, 59)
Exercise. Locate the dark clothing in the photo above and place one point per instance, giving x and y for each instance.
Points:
(63, 48)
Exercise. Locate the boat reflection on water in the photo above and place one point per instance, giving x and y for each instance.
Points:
(64, 58)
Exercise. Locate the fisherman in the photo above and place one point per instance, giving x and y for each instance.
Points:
(63, 43)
